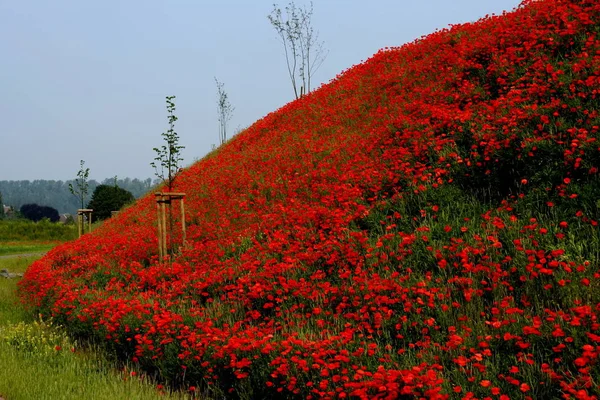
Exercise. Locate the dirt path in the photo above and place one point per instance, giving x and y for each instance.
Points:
(23, 255)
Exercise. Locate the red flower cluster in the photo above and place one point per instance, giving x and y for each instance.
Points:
(425, 225)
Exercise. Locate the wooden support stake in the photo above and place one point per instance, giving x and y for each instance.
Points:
(183, 221)
(81, 213)
(162, 199)
(159, 228)
(165, 228)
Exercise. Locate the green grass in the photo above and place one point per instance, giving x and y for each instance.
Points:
(25, 230)
(11, 248)
(39, 361)
(10, 309)
(66, 375)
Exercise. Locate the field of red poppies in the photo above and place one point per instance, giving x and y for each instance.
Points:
(424, 226)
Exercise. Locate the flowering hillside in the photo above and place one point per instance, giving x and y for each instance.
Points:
(425, 225)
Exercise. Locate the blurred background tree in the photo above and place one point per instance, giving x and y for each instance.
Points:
(36, 212)
(106, 199)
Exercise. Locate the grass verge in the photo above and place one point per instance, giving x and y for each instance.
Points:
(7, 249)
(40, 362)
(20, 230)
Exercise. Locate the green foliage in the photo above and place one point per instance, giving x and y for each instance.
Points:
(20, 229)
(70, 373)
(37, 337)
(39, 361)
(81, 183)
(108, 198)
(1, 207)
(19, 247)
(57, 194)
(36, 212)
(10, 310)
(166, 164)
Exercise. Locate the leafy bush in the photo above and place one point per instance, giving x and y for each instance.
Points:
(36, 213)
(106, 199)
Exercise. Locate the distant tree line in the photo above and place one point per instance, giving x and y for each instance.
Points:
(56, 194)
(1, 207)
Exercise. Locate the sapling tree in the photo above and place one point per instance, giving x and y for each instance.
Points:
(224, 110)
(168, 158)
(304, 53)
(80, 190)
(166, 165)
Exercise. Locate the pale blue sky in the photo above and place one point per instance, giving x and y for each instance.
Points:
(87, 79)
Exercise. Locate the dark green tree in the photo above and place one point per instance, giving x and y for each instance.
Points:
(107, 198)
(36, 212)
(1, 207)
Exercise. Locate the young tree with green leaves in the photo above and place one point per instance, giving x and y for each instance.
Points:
(224, 110)
(166, 164)
(304, 53)
(82, 185)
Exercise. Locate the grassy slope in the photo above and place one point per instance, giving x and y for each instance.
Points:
(425, 224)
(33, 367)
